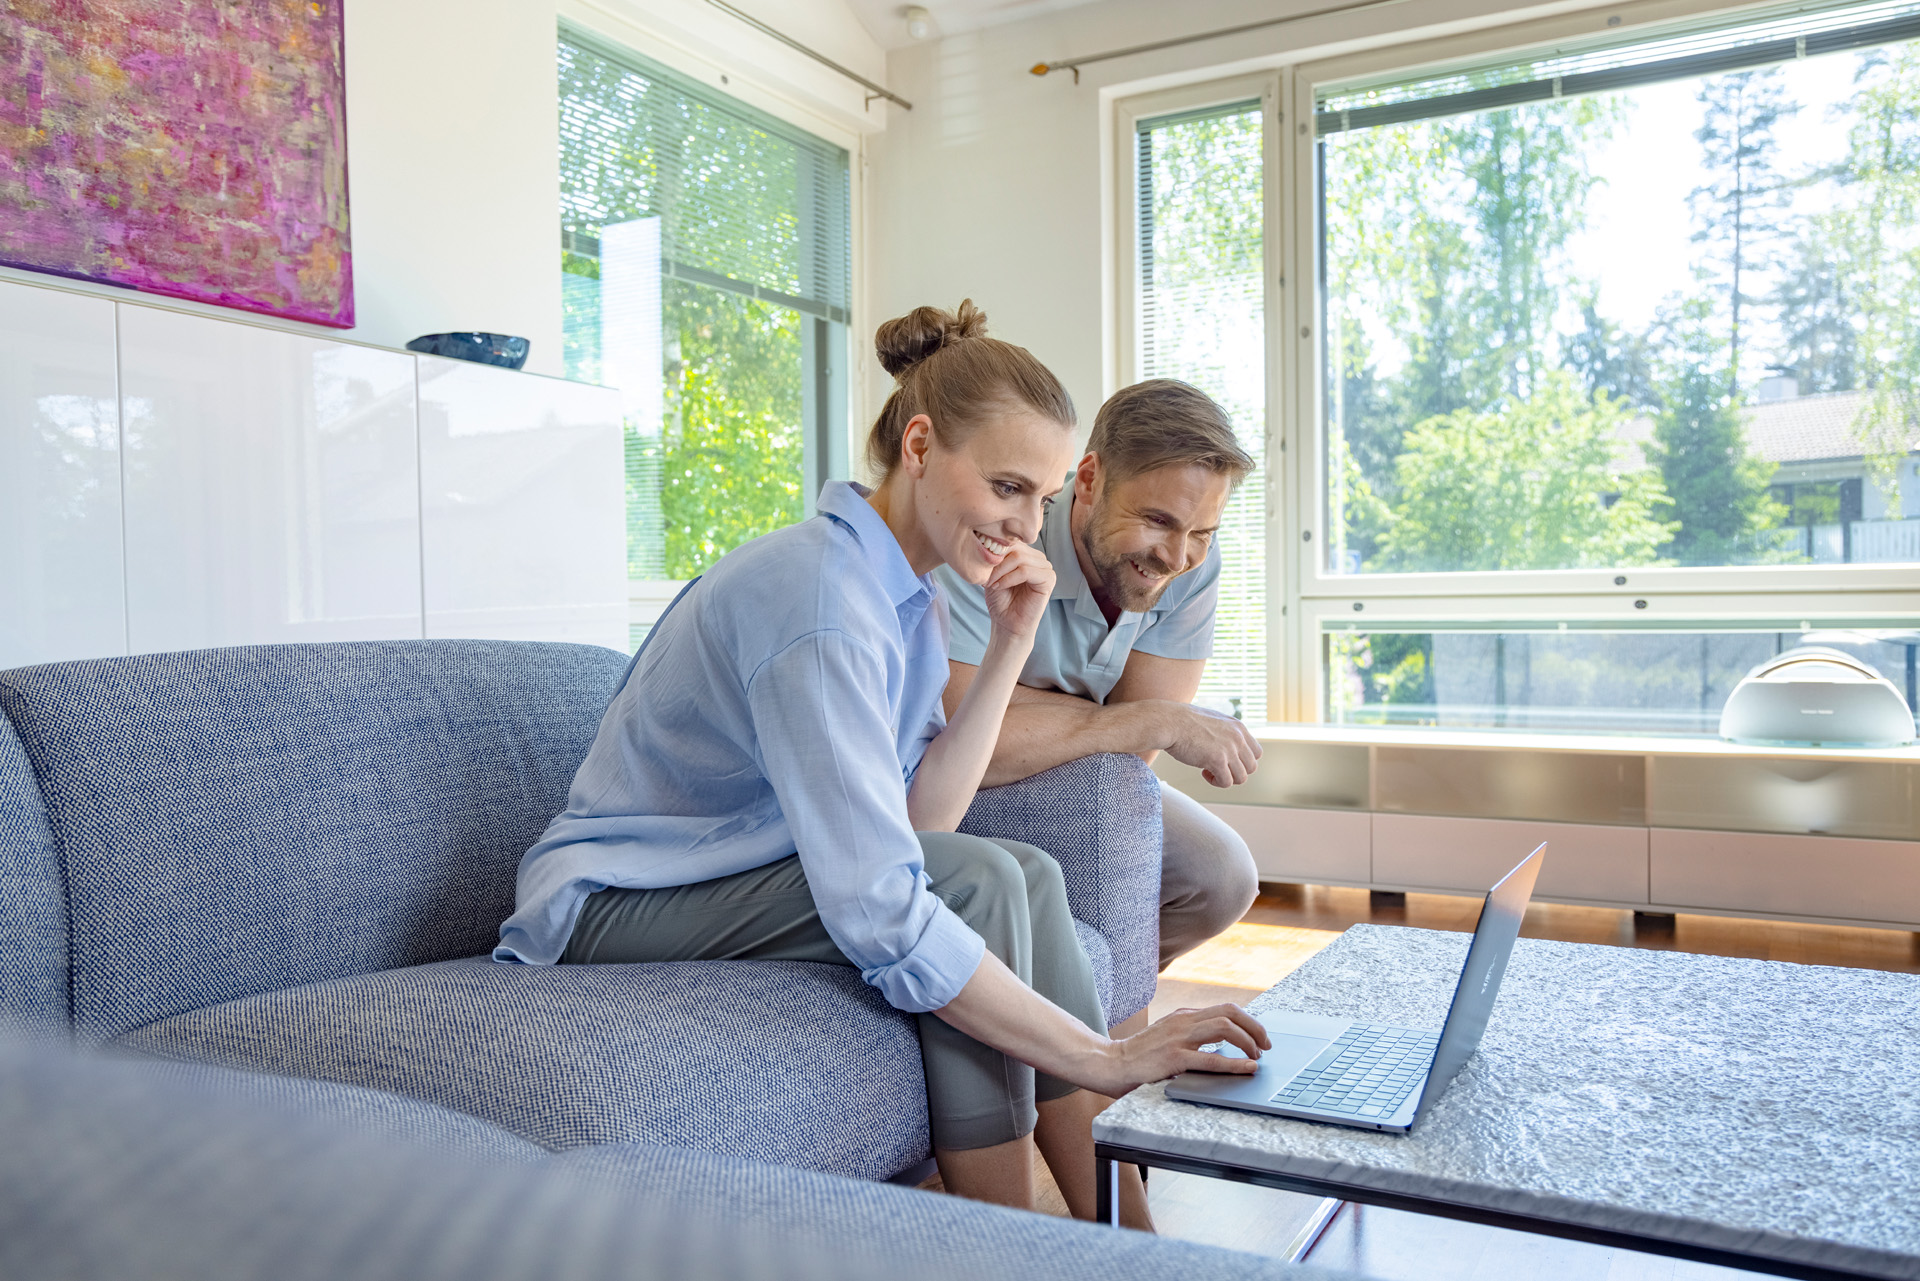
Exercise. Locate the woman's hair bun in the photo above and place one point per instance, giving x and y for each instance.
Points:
(910, 339)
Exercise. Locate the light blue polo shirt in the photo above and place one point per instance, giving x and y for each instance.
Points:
(1074, 650)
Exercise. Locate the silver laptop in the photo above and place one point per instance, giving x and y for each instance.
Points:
(1370, 1075)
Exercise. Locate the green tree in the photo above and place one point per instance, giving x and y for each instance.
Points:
(727, 462)
(1871, 230)
(1737, 210)
(1719, 490)
(1820, 340)
(1608, 359)
(730, 454)
(1539, 483)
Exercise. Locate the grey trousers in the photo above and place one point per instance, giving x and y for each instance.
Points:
(1207, 877)
(1011, 894)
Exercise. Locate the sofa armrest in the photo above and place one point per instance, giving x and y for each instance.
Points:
(1099, 817)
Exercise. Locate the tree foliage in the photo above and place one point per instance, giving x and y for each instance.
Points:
(1536, 483)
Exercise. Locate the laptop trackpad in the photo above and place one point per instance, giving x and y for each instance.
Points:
(1289, 1054)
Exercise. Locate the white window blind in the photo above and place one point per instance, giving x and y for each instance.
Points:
(1202, 320)
(705, 271)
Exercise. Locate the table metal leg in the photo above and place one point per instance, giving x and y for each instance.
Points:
(1106, 1195)
(1311, 1231)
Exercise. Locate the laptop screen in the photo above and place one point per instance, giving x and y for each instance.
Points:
(1480, 977)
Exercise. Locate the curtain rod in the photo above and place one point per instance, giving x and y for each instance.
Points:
(1074, 64)
(874, 90)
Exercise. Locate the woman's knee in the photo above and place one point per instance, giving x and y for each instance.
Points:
(1039, 869)
(971, 872)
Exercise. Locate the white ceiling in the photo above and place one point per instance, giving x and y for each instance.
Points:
(886, 20)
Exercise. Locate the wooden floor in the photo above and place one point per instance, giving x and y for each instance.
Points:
(1286, 926)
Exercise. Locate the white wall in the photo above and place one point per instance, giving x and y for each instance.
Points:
(992, 187)
(453, 145)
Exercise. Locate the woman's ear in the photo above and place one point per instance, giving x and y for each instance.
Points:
(916, 442)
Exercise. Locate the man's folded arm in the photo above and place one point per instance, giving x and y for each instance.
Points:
(1044, 727)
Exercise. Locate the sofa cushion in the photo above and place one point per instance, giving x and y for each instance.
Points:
(237, 820)
(1099, 817)
(33, 941)
(791, 1062)
(920, 1234)
(345, 1108)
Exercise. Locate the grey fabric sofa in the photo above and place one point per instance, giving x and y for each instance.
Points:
(152, 1171)
(292, 860)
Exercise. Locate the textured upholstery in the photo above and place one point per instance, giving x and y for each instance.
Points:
(1101, 957)
(919, 1233)
(33, 917)
(793, 1062)
(1099, 817)
(239, 820)
(109, 1172)
(108, 1175)
(346, 1108)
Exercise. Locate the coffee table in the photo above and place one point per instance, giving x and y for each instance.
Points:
(1754, 1114)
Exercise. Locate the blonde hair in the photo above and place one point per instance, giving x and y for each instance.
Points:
(945, 366)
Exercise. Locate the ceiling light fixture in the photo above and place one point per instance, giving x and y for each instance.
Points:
(919, 21)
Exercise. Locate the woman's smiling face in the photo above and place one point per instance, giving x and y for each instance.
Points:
(978, 499)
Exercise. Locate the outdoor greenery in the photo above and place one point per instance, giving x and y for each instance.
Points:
(1484, 411)
(726, 463)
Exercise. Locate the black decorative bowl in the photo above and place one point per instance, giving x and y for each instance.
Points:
(487, 349)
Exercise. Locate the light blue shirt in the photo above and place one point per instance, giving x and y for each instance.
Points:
(781, 705)
(1074, 650)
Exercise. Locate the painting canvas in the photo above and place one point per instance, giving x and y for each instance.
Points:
(195, 148)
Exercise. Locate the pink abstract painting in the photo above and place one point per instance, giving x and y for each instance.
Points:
(195, 148)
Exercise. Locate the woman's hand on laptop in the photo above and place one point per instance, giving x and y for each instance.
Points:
(1172, 1046)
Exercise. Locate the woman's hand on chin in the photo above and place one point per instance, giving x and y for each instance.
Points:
(1172, 1046)
(1017, 591)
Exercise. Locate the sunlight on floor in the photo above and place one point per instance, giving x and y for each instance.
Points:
(1250, 955)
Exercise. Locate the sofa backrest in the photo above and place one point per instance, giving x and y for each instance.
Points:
(33, 914)
(234, 821)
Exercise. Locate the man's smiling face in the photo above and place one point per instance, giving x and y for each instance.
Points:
(1136, 534)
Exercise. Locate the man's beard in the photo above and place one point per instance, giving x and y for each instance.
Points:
(1123, 587)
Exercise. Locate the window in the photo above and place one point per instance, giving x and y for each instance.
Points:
(1593, 368)
(704, 272)
(1602, 325)
(1202, 308)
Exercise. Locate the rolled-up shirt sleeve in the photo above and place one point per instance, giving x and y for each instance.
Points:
(826, 741)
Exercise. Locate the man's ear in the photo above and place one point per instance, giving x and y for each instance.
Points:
(916, 442)
(1086, 479)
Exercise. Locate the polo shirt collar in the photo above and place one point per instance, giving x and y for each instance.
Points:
(846, 502)
(1069, 583)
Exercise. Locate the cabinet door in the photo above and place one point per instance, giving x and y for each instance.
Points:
(1305, 845)
(1838, 878)
(272, 485)
(523, 506)
(60, 537)
(1587, 862)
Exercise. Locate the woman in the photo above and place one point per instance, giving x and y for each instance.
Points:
(776, 780)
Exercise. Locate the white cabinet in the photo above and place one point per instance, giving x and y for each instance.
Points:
(1833, 877)
(1585, 861)
(1314, 845)
(62, 586)
(523, 502)
(272, 489)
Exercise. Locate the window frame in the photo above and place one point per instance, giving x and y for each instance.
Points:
(594, 24)
(1302, 593)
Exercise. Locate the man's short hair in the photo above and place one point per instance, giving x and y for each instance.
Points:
(1163, 422)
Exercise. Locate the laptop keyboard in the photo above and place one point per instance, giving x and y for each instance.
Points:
(1368, 1072)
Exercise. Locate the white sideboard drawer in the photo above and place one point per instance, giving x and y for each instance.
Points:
(1829, 876)
(1584, 861)
(1301, 844)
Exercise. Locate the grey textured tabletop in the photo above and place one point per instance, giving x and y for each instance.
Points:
(1758, 1107)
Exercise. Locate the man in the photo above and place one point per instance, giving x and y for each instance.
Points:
(1127, 634)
